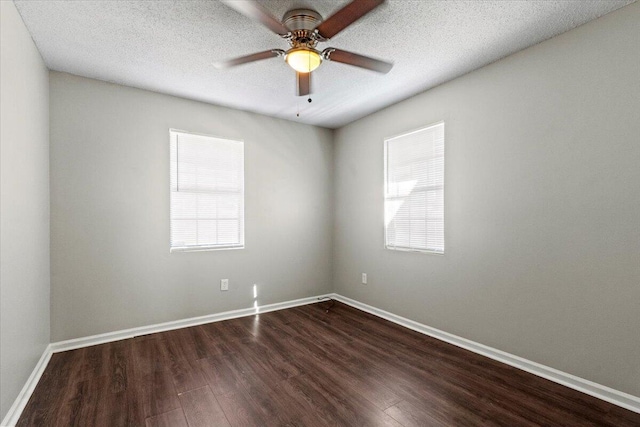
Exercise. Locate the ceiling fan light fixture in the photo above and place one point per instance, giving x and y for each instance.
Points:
(303, 60)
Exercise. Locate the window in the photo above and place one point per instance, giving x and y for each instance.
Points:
(207, 192)
(414, 190)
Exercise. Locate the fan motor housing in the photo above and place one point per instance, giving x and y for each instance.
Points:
(301, 19)
(302, 24)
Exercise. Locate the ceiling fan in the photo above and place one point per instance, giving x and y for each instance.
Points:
(304, 29)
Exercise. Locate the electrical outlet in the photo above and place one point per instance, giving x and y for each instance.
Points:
(224, 284)
(364, 278)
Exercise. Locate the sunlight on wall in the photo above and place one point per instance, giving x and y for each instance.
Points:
(255, 298)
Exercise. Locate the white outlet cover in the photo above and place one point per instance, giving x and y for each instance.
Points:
(364, 278)
(224, 284)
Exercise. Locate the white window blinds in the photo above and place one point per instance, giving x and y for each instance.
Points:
(414, 190)
(207, 192)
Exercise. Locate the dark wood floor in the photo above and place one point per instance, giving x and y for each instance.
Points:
(300, 367)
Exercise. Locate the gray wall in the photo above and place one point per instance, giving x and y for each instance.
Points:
(24, 205)
(542, 206)
(110, 263)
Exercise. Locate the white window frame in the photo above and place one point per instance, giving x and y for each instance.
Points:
(385, 192)
(173, 133)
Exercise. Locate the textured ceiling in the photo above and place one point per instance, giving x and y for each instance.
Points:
(170, 46)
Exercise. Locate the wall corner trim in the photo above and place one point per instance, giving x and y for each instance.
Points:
(599, 391)
(23, 397)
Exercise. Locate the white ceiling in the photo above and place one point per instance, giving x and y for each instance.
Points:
(169, 47)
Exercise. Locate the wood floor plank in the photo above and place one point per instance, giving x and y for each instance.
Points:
(276, 405)
(250, 324)
(376, 392)
(204, 345)
(234, 373)
(474, 377)
(150, 354)
(48, 397)
(220, 377)
(300, 367)
(338, 401)
(266, 362)
(240, 409)
(321, 408)
(120, 368)
(187, 375)
(462, 388)
(179, 345)
(202, 409)
(122, 409)
(158, 393)
(95, 360)
(173, 418)
(410, 416)
(452, 398)
(83, 404)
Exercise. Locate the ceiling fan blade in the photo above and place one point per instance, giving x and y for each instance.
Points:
(253, 10)
(346, 16)
(249, 58)
(350, 58)
(304, 83)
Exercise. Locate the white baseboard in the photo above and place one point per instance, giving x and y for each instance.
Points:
(176, 324)
(605, 393)
(21, 401)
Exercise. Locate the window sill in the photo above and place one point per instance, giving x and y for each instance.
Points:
(204, 248)
(422, 251)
